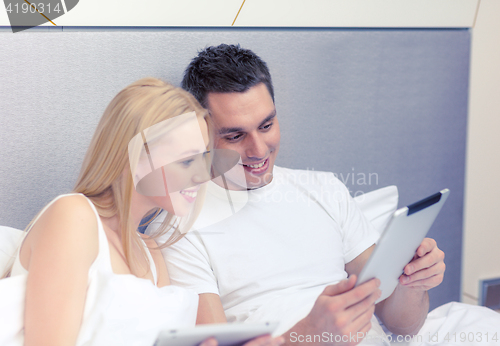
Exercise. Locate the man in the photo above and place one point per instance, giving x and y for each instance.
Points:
(287, 253)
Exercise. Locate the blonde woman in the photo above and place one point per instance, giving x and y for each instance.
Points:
(83, 274)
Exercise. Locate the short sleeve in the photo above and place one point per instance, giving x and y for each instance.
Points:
(357, 233)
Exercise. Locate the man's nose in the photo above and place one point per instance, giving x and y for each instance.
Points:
(256, 147)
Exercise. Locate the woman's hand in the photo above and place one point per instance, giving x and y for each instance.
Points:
(264, 340)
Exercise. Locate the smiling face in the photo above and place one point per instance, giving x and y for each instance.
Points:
(187, 169)
(246, 122)
(173, 165)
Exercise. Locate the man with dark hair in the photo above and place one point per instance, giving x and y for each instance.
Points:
(287, 253)
(224, 69)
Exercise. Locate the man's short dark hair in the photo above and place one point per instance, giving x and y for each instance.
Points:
(225, 69)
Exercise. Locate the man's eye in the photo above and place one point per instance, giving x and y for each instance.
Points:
(233, 138)
(267, 126)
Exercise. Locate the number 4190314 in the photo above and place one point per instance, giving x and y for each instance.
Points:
(471, 337)
(33, 8)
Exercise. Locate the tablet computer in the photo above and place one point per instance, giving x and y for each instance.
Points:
(226, 334)
(399, 241)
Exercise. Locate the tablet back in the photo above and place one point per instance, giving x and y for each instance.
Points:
(398, 243)
(226, 334)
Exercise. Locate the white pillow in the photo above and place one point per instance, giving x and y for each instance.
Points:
(379, 205)
(10, 239)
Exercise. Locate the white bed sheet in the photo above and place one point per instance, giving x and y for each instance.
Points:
(456, 324)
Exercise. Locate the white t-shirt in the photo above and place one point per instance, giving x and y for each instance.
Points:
(274, 256)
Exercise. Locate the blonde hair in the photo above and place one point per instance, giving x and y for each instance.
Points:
(137, 107)
(140, 105)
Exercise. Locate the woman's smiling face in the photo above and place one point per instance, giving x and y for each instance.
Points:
(174, 163)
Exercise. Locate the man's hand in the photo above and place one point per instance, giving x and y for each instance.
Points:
(265, 340)
(404, 312)
(342, 311)
(426, 269)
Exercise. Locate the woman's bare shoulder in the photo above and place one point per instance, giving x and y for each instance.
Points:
(63, 246)
(67, 227)
(71, 210)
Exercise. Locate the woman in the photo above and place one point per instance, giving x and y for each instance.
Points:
(83, 273)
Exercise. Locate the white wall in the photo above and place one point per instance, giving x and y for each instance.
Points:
(276, 13)
(481, 258)
(481, 233)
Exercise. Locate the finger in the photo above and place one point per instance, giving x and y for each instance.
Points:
(361, 298)
(258, 341)
(427, 283)
(372, 282)
(357, 335)
(436, 269)
(341, 287)
(361, 334)
(364, 305)
(266, 340)
(436, 256)
(362, 323)
(366, 328)
(424, 285)
(426, 246)
(209, 342)
(280, 340)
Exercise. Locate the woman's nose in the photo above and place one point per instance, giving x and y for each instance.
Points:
(201, 173)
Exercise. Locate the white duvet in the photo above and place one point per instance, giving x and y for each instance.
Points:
(457, 324)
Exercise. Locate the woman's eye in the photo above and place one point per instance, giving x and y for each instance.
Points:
(187, 162)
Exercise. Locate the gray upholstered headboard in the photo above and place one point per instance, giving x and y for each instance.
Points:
(377, 107)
